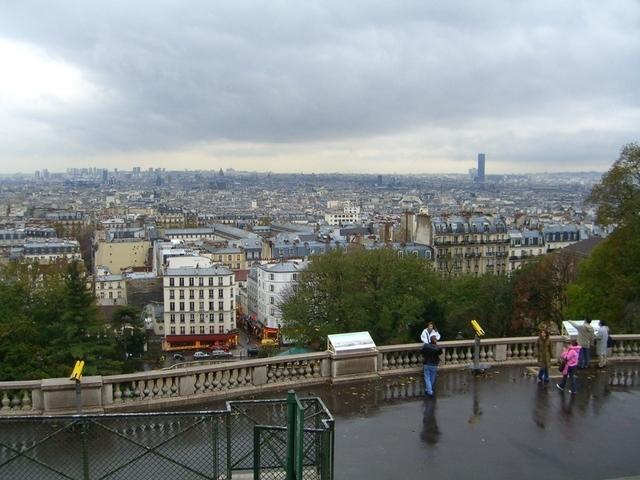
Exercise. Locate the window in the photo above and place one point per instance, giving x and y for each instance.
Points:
(271, 289)
(221, 293)
(201, 306)
(212, 317)
(294, 277)
(192, 294)
(192, 318)
(172, 318)
(212, 293)
(171, 282)
(172, 294)
(210, 281)
(182, 318)
(182, 306)
(220, 281)
(272, 301)
(220, 305)
(211, 305)
(182, 282)
(221, 329)
(182, 330)
(221, 317)
(181, 294)
(201, 294)
(201, 317)
(172, 306)
(201, 281)
(191, 281)
(231, 305)
(173, 330)
(192, 330)
(212, 329)
(202, 329)
(271, 276)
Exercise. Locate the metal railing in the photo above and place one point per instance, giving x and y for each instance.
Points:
(254, 436)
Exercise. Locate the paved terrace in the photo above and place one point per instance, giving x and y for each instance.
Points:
(500, 425)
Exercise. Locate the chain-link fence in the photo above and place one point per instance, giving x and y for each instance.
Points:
(250, 436)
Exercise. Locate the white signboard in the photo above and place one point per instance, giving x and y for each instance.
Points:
(570, 330)
(351, 342)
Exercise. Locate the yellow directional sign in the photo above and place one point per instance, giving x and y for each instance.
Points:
(478, 329)
(77, 371)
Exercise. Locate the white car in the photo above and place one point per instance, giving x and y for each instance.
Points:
(200, 355)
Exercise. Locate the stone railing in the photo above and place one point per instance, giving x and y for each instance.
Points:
(159, 389)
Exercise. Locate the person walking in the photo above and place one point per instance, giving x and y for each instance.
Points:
(602, 342)
(430, 359)
(569, 356)
(429, 332)
(545, 355)
(585, 340)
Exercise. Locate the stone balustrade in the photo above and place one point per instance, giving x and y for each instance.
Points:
(156, 389)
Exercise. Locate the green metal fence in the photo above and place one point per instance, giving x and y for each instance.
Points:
(253, 436)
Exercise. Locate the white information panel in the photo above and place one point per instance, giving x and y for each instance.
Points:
(570, 330)
(351, 342)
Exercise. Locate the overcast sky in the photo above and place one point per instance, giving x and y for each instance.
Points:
(318, 86)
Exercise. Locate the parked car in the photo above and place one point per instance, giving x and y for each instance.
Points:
(220, 354)
(252, 351)
(199, 355)
(178, 357)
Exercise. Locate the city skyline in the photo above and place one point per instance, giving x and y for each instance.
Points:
(358, 88)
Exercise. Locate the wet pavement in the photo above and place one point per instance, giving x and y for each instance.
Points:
(498, 426)
(501, 425)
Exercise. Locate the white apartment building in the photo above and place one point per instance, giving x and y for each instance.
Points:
(523, 245)
(199, 302)
(110, 289)
(48, 251)
(272, 282)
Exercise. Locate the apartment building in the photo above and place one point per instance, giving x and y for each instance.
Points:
(49, 251)
(199, 306)
(470, 245)
(110, 289)
(267, 288)
(524, 245)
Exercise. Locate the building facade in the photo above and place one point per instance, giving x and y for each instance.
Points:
(470, 245)
(272, 282)
(199, 303)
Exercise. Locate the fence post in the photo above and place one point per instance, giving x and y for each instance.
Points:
(85, 454)
(214, 440)
(291, 433)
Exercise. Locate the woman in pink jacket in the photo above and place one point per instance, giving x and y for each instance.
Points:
(570, 356)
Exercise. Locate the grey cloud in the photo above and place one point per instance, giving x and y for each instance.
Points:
(183, 72)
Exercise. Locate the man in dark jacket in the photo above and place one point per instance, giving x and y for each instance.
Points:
(430, 358)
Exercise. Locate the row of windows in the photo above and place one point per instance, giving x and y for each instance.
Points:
(192, 294)
(192, 330)
(200, 305)
(192, 281)
(192, 317)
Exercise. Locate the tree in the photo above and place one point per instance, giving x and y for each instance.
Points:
(608, 283)
(618, 194)
(539, 291)
(48, 318)
(374, 290)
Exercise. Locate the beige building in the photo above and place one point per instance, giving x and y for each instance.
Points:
(231, 257)
(470, 245)
(121, 254)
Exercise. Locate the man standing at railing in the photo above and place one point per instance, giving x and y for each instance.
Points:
(430, 359)
(429, 332)
(585, 340)
(602, 344)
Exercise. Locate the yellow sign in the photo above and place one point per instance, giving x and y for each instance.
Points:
(77, 371)
(478, 329)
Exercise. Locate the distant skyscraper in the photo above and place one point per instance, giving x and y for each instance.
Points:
(481, 167)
